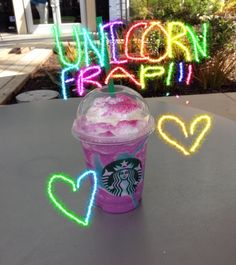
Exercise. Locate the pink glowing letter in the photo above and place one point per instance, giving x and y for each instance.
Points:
(113, 41)
(85, 76)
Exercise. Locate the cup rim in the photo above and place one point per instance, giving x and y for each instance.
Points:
(113, 140)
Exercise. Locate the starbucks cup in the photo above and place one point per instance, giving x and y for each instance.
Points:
(113, 129)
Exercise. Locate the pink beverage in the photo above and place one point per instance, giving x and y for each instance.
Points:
(113, 130)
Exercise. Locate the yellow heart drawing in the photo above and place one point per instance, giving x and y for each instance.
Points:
(193, 125)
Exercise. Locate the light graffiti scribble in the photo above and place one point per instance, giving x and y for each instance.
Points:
(204, 119)
(75, 186)
(179, 43)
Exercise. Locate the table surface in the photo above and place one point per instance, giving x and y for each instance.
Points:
(188, 211)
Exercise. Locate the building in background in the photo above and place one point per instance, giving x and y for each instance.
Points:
(37, 16)
(119, 9)
(7, 17)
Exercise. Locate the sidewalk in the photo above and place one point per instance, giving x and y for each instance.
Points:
(15, 69)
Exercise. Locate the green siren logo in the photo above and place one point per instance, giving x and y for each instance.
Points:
(121, 177)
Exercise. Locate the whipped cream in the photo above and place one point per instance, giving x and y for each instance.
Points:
(112, 110)
(110, 119)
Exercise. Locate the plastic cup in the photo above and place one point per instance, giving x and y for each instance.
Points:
(113, 130)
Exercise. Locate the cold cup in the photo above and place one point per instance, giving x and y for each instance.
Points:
(113, 129)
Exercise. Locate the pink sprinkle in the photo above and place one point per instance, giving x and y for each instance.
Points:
(107, 134)
(177, 96)
(132, 123)
(125, 105)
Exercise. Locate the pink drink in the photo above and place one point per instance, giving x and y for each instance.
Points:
(113, 130)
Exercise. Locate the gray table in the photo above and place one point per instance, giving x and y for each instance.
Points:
(188, 213)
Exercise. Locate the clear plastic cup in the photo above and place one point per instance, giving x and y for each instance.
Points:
(113, 130)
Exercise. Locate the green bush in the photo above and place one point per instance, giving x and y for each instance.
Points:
(193, 12)
(139, 9)
(187, 10)
(218, 70)
(222, 33)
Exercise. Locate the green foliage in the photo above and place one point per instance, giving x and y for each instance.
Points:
(194, 12)
(222, 33)
(139, 9)
(218, 71)
(229, 7)
(155, 43)
(187, 10)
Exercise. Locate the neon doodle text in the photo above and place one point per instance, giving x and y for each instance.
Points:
(183, 46)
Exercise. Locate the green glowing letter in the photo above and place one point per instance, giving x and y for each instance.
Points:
(199, 47)
(170, 74)
(61, 50)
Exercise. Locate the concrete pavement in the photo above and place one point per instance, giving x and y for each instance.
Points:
(223, 104)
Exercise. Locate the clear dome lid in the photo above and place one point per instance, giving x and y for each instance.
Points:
(112, 117)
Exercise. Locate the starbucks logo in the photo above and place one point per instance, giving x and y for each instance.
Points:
(121, 177)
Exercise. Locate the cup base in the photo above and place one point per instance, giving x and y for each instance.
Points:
(116, 208)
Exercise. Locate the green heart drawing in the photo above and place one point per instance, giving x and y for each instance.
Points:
(80, 220)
